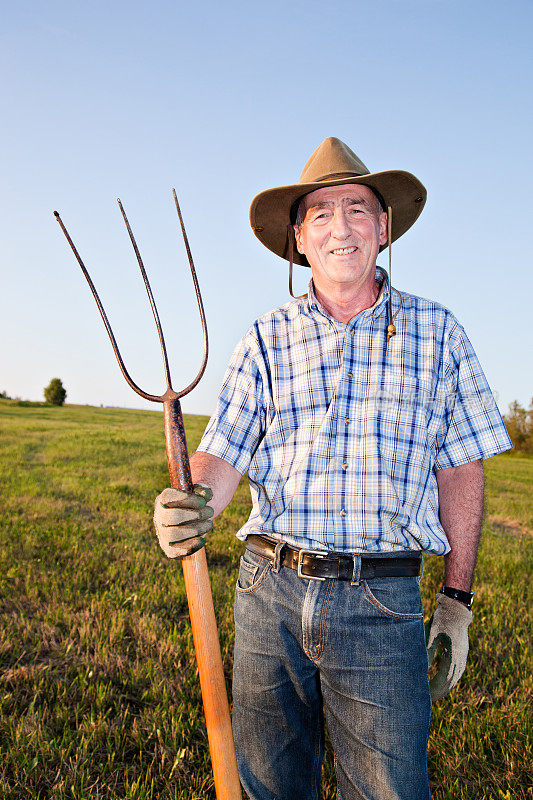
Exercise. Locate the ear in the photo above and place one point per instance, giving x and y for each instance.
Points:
(298, 237)
(383, 219)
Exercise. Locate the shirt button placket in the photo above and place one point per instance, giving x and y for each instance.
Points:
(349, 405)
(343, 438)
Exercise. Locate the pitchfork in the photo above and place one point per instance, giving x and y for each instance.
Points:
(197, 584)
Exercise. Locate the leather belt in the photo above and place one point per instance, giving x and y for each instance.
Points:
(319, 566)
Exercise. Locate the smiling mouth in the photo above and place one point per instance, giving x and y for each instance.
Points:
(344, 251)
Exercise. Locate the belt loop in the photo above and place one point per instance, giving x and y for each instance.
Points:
(356, 571)
(419, 577)
(277, 557)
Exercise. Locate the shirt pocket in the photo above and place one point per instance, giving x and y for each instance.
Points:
(396, 414)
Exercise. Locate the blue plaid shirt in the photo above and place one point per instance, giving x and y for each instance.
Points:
(341, 435)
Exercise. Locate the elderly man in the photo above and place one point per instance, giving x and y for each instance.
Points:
(362, 417)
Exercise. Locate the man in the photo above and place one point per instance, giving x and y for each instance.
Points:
(362, 417)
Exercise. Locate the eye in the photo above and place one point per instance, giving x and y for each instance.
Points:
(320, 216)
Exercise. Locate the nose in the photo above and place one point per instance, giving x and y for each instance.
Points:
(339, 225)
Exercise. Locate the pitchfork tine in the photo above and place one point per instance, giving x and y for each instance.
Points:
(105, 319)
(191, 386)
(149, 293)
(170, 393)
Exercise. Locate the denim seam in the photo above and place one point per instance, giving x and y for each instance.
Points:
(394, 614)
(258, 562)
(316, 788)
(256, 585)
(323, 614)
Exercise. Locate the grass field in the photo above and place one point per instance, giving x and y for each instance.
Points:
(99, 695)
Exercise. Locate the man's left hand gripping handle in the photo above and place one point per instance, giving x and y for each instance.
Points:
(182, 519)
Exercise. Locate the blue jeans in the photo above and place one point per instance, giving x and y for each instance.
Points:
(353, 653)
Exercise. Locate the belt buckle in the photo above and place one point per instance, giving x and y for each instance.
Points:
(301, 554)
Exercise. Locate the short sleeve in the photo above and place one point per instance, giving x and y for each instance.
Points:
(472, 426)
(237, 425)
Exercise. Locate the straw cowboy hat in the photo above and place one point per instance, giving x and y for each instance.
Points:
(332, 164)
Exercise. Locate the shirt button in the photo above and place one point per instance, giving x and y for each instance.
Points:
(350, 374)
(343, 512)
(352, 331)
(347, 420)
(344, 466)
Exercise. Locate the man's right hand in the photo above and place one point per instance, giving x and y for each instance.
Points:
(182, 519)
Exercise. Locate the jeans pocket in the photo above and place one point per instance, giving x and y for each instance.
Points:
(253, 570)
(398, 598)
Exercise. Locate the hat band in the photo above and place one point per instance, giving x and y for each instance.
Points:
(334, 175)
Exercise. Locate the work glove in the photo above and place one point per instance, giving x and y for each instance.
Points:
(181, 520)
(447, 633)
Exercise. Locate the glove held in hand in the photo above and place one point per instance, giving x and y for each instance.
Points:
(447, 631)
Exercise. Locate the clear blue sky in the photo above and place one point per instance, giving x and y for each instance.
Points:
(222, 100)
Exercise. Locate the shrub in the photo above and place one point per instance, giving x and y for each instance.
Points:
(55, 393)
(519, 423)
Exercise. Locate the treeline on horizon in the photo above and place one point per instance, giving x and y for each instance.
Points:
(519, 424)
(518, 421)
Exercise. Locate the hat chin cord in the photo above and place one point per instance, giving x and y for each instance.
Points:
(290, 235)
(391, 329)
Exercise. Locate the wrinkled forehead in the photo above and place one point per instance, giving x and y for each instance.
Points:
(348, 192)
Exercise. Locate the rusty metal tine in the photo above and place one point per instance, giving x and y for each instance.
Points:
(131, 382)
(191, 386)
(150, 295)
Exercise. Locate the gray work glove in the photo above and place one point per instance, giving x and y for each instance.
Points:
(181, 520)
(447, 632)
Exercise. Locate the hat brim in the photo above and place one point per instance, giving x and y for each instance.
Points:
(270, 210)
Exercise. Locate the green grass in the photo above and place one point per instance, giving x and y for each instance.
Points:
(99, 695)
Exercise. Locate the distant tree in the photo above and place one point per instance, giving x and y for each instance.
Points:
(55, 393)
(519, 423)
(4, 396)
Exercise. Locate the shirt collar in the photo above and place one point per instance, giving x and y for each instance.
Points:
(379, 306)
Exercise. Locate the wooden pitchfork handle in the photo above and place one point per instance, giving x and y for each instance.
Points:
(203, 623)
(197, 584)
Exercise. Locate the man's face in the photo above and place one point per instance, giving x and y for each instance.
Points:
(341, 234)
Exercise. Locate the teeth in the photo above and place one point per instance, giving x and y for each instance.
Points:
(343, 251)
